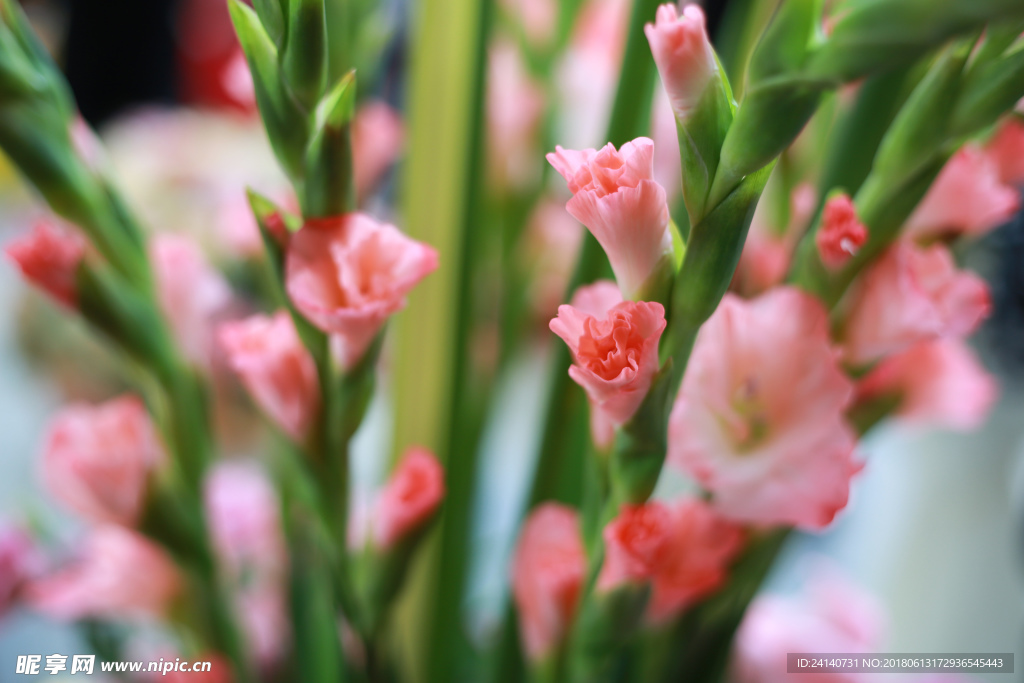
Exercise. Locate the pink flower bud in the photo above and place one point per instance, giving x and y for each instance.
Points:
(683, 54)
(759, 418)
(119, 574)
(938, 382)
(967, 197)
(377, 139)
(699, 549)
(245, 523)
(276, 368)
(548, 570)
(636, 542)
(191, 293)
(1006, 150)
(348, 274)
(616, 197)
(410, 499)
(614, 345)
(912, 294)
(19, 562)
(97, 459)
(49, 257)
(841, 234)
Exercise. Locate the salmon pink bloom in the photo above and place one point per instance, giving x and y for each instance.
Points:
(120, 574)
(614, 345)
(683, 54)
(377, 139)
(968, 197)
(410, 499)
(191, 293)
(698, 551)
(276, 368)
(937, 382)
(349, 273)
(636, 544)
(912, 294)
(616, 197)
(97, 459)
(833, 617)
(548, 570)
(1006, 149)
(49, 257)
(841, 234)
(759, 418)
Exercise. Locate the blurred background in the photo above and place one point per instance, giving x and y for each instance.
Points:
(935, 527)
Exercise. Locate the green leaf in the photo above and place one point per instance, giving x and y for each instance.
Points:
(305, 56)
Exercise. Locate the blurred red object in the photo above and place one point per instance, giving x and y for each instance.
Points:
(206, 49)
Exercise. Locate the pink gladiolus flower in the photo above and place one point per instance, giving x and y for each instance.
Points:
(616, 197)
(1006, 150)
(190, 291)
(967, 197)
(264, 620)
(635, 544)
(276, 368)
(377, 139)
(938, 382)
(768, 249)
(49, 257)
(912, 294)
(614, 345)
(548, 570)
(698, 550)
(410, 499)
(515, 104)
(759, 419)
(841, 234)
(834, 617)
(120, 574)
(683, 54)
(19, 562)
(97, 459)
(245, 524)
(349, 273)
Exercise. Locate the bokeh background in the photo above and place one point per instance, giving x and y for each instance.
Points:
(935, 527)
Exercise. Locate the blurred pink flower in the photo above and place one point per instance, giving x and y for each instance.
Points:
(515, 104)
(349, 273)
(768, 249)
(938, 382)
(967, 197)
(553, 241)
(698, 551)
(97, 459)
(834, 617)
(912, 294)
(242, 510)
(191, 293)
(411, 497)
(616, 197)
(636, 543)
(548, 570)
(377, 138)
(237, 80)
(539, 19)
(683, 54)
(265, 621)
(759, 419)
(119, 574)
(276, 368)
(841, 234)
(1006, 149)
(20, 560)
(48, 257)
(615, 352)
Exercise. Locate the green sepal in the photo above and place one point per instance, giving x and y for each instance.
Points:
(988, 92)
(273, 16)
(641, 444)
(784, 45)
(329, 189)
(286, 123)
(701, 135)
(304, 60)
(606, 623)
